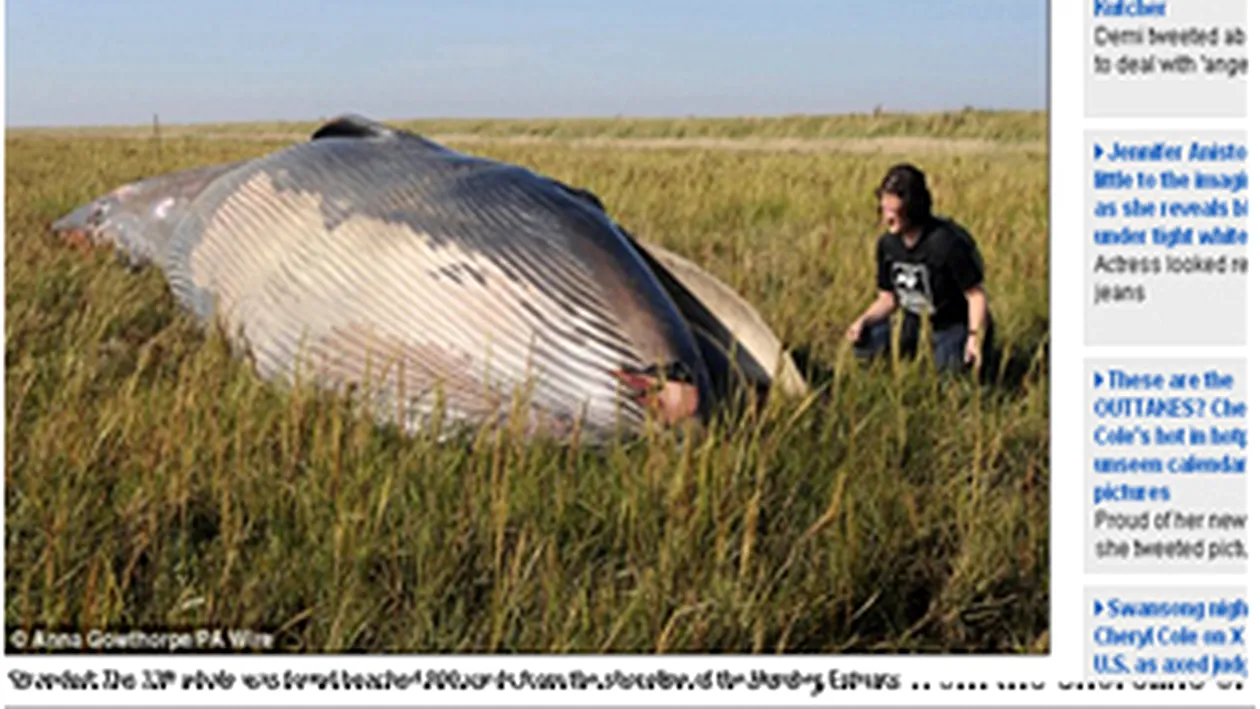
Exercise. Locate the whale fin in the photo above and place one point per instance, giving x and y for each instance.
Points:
(724, 323)
(352, 125)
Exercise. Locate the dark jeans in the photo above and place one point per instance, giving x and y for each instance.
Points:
(948, 344)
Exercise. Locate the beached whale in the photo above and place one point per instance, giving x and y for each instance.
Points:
(432, 282)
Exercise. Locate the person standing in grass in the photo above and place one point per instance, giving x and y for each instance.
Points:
(929, 267)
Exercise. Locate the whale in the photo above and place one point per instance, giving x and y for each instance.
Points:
(441, 289)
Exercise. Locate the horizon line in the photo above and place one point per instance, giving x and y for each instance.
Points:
(522, 118)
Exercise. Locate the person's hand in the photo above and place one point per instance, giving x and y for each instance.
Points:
(854, 333)
(971, 351)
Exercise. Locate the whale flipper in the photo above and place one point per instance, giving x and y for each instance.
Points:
(727, 321)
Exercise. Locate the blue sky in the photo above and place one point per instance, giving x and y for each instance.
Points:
(89, 62)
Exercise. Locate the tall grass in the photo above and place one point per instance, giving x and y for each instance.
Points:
(152, 480)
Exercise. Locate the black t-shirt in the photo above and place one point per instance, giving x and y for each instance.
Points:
(930, 278)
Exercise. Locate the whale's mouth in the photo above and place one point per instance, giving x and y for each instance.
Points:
(669, 392)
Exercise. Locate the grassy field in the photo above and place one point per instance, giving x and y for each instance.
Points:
(1004, 126)
(152, 481)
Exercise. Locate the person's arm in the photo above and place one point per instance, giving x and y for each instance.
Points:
(885, 302)
(883, 306)
(977, 311)
(969, 271)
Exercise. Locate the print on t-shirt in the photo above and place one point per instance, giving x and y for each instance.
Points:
(913, 287)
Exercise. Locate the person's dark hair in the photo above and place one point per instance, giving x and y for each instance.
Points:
(908, 182)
